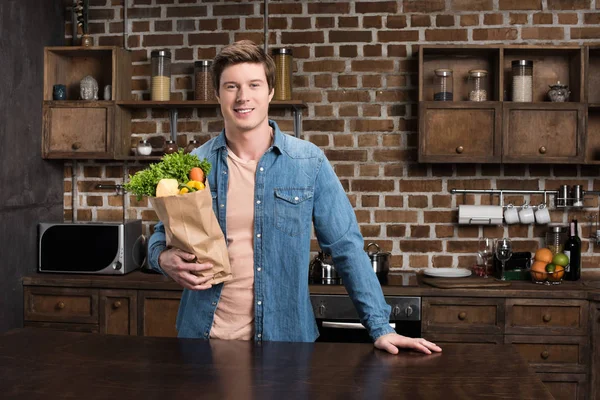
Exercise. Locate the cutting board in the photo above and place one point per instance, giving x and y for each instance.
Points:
(468, 282)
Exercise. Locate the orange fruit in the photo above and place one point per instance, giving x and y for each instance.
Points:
(558, 274)
(544, 254)
(538, 270)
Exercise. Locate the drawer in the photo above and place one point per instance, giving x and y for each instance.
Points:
(565, 386)
(546, 317)
(463, 315)
(552, 353)
(54, 304)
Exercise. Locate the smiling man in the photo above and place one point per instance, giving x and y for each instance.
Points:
(268, 190)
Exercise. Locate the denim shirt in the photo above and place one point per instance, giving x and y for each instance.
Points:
(295, 188)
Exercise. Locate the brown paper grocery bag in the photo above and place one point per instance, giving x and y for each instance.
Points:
(191, 225)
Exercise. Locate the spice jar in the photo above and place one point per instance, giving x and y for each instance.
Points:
(204, 84)
(144, 148)
(283, 74)
(161, 75)
(191, 146)
(522, 80)
(478, 85)
(170, 147)
(443, 85)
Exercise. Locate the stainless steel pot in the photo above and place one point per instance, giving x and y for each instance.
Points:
(321, 271)
(380, 261)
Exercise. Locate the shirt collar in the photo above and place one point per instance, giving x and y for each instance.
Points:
(278, 138)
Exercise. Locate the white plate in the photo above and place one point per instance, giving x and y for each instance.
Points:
(447, 272)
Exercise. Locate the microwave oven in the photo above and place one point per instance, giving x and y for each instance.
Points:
(108, 248)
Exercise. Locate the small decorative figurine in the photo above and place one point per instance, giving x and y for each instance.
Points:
(88, 88)
(559, 93)
(59, 92)
(107, 92)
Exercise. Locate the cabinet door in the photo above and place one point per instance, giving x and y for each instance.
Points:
(565, 386)
(465, 132)
(76, 129)
(552, 353)
(546, 317)
(158, 313)
(543, 133)
(595, 341)
(118, 312)
(58, 304)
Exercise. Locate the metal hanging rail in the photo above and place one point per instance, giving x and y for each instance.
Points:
(501, 192)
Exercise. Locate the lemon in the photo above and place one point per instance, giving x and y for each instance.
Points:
(550, 268)
(560, 259)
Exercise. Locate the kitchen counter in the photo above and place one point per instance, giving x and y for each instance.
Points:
(39, 363)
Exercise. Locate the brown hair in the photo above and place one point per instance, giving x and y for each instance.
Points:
(244, 51)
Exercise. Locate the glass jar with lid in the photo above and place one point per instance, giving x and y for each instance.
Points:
(478, 85)
(522, 80)
(443, 85)
(204, 85)
(191, 146)
(170, 147)
(161, 75)
(283, 73)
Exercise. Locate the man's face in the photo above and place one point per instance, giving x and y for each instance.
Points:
(244, 96)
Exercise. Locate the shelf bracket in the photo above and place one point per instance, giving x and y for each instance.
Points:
(297, 112)
(173, 120)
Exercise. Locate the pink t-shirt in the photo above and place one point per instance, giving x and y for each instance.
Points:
(234, 316)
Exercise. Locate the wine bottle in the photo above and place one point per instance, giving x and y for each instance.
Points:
(573, 251)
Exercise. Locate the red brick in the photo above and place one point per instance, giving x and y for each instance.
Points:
(346, 155)
(444, 20)
(372, 65)
(592, 19)
(382, 7)
(415, 201)
(284, 9)
(569, 4)
(325, 22)
(348, 22)
(493, 19)
(469, 20)
(417, 170)
(520, 5)
(301, 23)
(433, 185)
(420, 246)
(542, 19)
(421, 6)
(418, 20)
(396, 21)
(350, 36)
(324, 66)
(230, 24)
(329, 125)
(188, 12)
(328, 8)
(348, 110)
(396, 231)
(347, 81)
(343, 140)
(396, 216)
(518, 19)
(371, 125)
(398, 36)
(472, 5)
(374, 21)
(370, 170)
(227, 10)
(445, 35)
(495, 34)
(372, 185)
(444, 231)
(357, 96)
(344, 170)
(393, 95)
(350, 51)
(309, 37)
(393, 170)
(394, 201)
(569, 18)
(392, 139)
(142, 12)
(373, 231)
(419, 231)
(542, 33)
(323, 51)
(322, 81)
(373, 50)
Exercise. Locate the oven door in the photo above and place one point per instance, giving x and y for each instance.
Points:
(338, 321)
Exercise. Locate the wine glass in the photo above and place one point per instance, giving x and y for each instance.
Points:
(503, 253)
(485, 249)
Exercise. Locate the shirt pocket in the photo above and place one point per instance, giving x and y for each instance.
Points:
(293, 210)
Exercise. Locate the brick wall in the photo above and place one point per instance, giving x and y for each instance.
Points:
(355, 67)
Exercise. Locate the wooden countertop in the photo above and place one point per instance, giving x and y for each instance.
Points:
(38, 363)
(583, 289)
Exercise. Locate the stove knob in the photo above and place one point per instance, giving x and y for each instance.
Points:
(396, 310)
(408, 311)
(321, 309)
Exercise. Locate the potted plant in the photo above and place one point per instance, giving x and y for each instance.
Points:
(81, 10)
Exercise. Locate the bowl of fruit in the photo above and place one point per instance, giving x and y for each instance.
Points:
(548, 268)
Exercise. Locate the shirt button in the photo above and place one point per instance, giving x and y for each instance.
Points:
(206, 334)
(259, 335)
(258, 235)
(257, 201)
(214, 303)
(259, 302)
(258, 269)
(224, 172)
(222, 205)
(261, 170)
(296, 198)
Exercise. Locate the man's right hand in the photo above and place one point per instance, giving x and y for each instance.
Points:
(181, 266)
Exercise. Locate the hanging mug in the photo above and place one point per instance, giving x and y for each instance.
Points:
(511, 215)
(526, 214)
(542, 215)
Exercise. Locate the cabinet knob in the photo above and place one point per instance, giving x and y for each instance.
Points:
(117, 304)
(545, 354)
(547, 318)
(460, 149)
(462, 315)
(322, 309)
(543, 150)
(76, 146)
(60, 305)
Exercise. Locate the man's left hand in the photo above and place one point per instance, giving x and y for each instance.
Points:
(392, 341)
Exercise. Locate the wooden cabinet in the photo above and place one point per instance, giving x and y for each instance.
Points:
(499, 130)
(553, 336)
(118, 312)
(158, 313)
(595, 353)
(84, 129)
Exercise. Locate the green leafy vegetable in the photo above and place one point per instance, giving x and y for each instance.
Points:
(172, 166)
